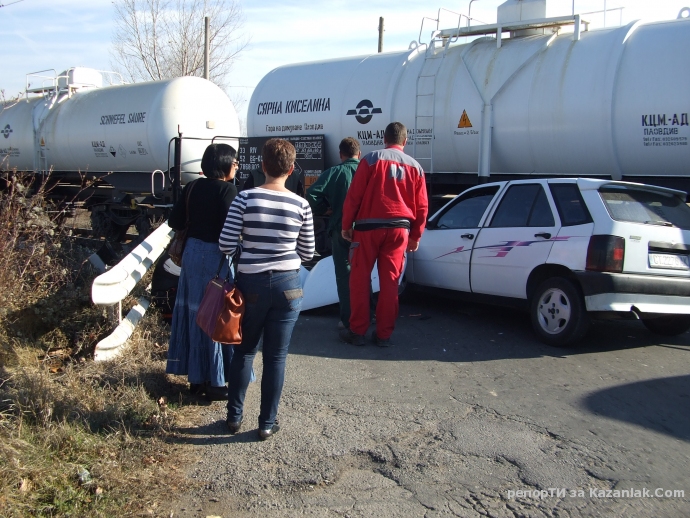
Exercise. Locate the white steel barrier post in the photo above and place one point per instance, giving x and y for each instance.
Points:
(111, 287)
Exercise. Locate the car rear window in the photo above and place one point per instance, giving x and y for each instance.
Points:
(571, 207)
(645, 206)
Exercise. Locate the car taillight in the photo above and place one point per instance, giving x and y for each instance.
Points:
(606, 254)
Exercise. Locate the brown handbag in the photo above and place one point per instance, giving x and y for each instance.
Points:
(179, 240)
(229, 324)
(221, 310)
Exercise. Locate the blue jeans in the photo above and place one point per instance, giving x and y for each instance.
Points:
(272, 304)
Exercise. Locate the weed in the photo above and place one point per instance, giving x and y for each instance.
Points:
(77, 438)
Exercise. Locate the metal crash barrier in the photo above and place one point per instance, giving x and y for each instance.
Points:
(111, 288)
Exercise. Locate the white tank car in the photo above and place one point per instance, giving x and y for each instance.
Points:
(76, 125)
(610, 102)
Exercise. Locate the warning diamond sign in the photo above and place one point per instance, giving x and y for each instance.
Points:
(464, 120)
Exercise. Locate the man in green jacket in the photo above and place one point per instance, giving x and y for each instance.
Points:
(328, 192)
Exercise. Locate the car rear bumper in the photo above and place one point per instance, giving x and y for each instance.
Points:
(644, 293)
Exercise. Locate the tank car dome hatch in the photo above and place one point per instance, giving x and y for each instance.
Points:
(521, 10)
(80, 77)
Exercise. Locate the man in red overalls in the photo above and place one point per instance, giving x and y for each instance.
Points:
(387, 205)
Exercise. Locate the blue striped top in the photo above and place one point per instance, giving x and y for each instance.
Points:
(276, 227)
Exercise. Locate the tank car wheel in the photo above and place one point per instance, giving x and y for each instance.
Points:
(103, 226)
(668, 325)
(558, 313)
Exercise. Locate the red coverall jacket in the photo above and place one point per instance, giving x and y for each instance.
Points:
(387, 185)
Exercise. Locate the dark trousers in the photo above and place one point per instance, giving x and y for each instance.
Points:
(341, 262)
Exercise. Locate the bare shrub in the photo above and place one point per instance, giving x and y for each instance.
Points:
(77, 438)
(27, 245)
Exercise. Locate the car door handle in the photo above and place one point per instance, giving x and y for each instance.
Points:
(545, 235)
(467, 236)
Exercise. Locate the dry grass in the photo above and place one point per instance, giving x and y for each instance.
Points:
(76, 438)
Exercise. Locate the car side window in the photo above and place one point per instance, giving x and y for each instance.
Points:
(524, 205)
(571, 207)
(467, 212)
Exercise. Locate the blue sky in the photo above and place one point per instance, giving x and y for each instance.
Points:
(46, 34)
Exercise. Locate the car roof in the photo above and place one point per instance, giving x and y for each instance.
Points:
(593, 184)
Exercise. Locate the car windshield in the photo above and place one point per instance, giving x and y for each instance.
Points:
(645, 206)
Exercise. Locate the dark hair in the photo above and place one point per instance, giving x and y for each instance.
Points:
(217, 160)
(278, 156)
(349, 147)
(395, 133)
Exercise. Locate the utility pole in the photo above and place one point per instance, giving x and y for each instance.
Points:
(381, 34)
(207, 50)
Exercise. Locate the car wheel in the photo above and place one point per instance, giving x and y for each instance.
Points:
(402, 285)
(558, 313)
(668, 325)
(405, 290)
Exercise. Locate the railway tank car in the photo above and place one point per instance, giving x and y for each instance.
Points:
(550, 98)
(126, 136)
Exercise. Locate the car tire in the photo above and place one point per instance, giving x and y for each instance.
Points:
(402, 285)
(558, 313)
(404, 290)
(668, 325)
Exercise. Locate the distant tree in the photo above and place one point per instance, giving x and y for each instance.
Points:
(161, 39)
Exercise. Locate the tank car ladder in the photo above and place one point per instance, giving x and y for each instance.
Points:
(425, 105)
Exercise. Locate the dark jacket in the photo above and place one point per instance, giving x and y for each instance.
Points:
(329, 191)
(208, 207)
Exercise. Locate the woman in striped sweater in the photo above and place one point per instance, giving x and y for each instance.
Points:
(277, 233)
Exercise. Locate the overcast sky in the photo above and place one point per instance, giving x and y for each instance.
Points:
(47, 34)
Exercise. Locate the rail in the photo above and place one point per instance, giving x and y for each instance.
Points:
(50, 84)
(604, 11)
(111, 288)
(497, 28)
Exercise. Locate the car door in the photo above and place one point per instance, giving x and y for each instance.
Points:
(443, 257)
(517, 238)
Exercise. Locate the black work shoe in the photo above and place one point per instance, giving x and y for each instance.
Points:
(234, 426)
(380, 341)
(265, 434)
(196, 389)
(217, 393)
(346, 335)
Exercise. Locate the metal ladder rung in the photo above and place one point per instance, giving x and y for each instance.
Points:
(428, 71)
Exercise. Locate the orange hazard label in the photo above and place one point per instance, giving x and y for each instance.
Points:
(464, 121)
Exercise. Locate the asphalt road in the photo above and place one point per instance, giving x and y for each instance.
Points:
(462, 413)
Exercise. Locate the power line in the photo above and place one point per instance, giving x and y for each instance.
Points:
(15, 2)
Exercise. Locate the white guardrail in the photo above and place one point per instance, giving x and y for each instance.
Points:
(111, 287)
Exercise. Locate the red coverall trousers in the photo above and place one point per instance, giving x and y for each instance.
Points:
(387, 246)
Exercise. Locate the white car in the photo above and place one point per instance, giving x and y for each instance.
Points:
(570, 249)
